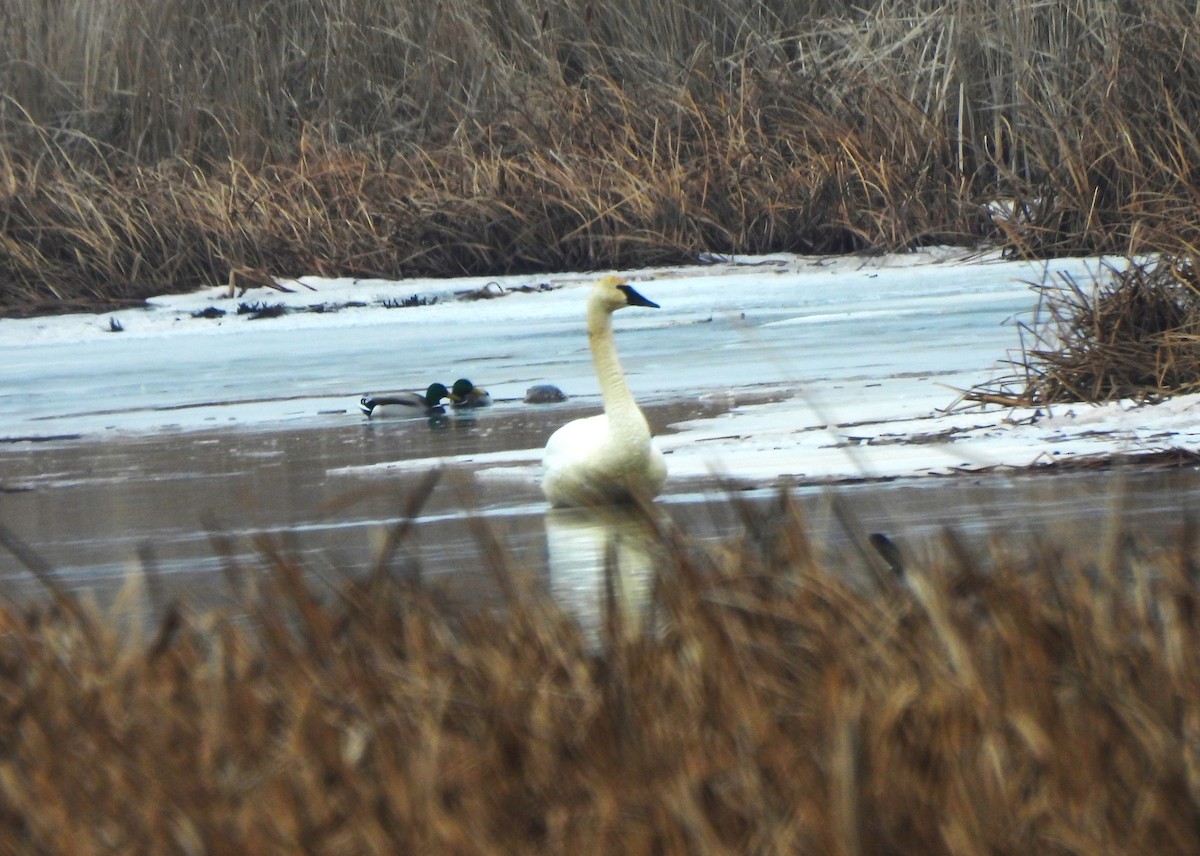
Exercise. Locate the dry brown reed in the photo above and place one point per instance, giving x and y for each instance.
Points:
(148, 145)
(1134, 334)
(1022, 699)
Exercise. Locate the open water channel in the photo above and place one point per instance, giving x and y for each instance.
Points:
(132, 452)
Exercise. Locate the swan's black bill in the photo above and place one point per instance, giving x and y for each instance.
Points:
(632, 298)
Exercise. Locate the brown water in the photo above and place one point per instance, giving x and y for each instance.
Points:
(97, 511)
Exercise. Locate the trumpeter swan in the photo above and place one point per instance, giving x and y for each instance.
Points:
(607, 458)
(406, 403)
(466, 394)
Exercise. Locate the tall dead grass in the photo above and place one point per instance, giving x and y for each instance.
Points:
(149, 145)
(771, 701)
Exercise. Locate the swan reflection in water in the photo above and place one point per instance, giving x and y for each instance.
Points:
(592, 551)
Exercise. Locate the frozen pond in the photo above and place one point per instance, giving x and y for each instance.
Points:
(843, 334)
(132, 448)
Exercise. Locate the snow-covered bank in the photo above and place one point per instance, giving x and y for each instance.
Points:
(866, 354)
(791, 441)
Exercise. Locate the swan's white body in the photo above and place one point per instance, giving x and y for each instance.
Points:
(607, 458)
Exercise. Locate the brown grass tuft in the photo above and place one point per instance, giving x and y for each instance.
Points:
(1133, 335)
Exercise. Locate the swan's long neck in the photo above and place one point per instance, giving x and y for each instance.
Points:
(623, 412)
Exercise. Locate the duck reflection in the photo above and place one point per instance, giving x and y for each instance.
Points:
(601, 563)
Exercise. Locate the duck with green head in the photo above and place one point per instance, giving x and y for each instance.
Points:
(465, 394)
(406, 403)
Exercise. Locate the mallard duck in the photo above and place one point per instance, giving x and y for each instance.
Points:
(607, 458)
(466, 394)
(406, 403)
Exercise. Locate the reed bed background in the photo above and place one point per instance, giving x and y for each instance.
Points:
(996, 700)
(155, 145)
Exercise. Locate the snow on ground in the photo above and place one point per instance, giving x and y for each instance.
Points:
(866, 357)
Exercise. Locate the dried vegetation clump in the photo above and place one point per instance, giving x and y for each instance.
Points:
(148, 145)
(768, 701)
(1134, 334)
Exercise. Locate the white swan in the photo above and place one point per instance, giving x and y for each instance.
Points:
(608, 458)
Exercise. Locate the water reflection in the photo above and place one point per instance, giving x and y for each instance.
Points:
(600, 556)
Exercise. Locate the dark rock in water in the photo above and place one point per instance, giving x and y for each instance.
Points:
(544, 393)
(209, 312)
(259, 310)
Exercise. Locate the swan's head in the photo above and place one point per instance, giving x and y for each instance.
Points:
(612, 293)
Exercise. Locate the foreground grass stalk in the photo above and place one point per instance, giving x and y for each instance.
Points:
(1001, 701)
